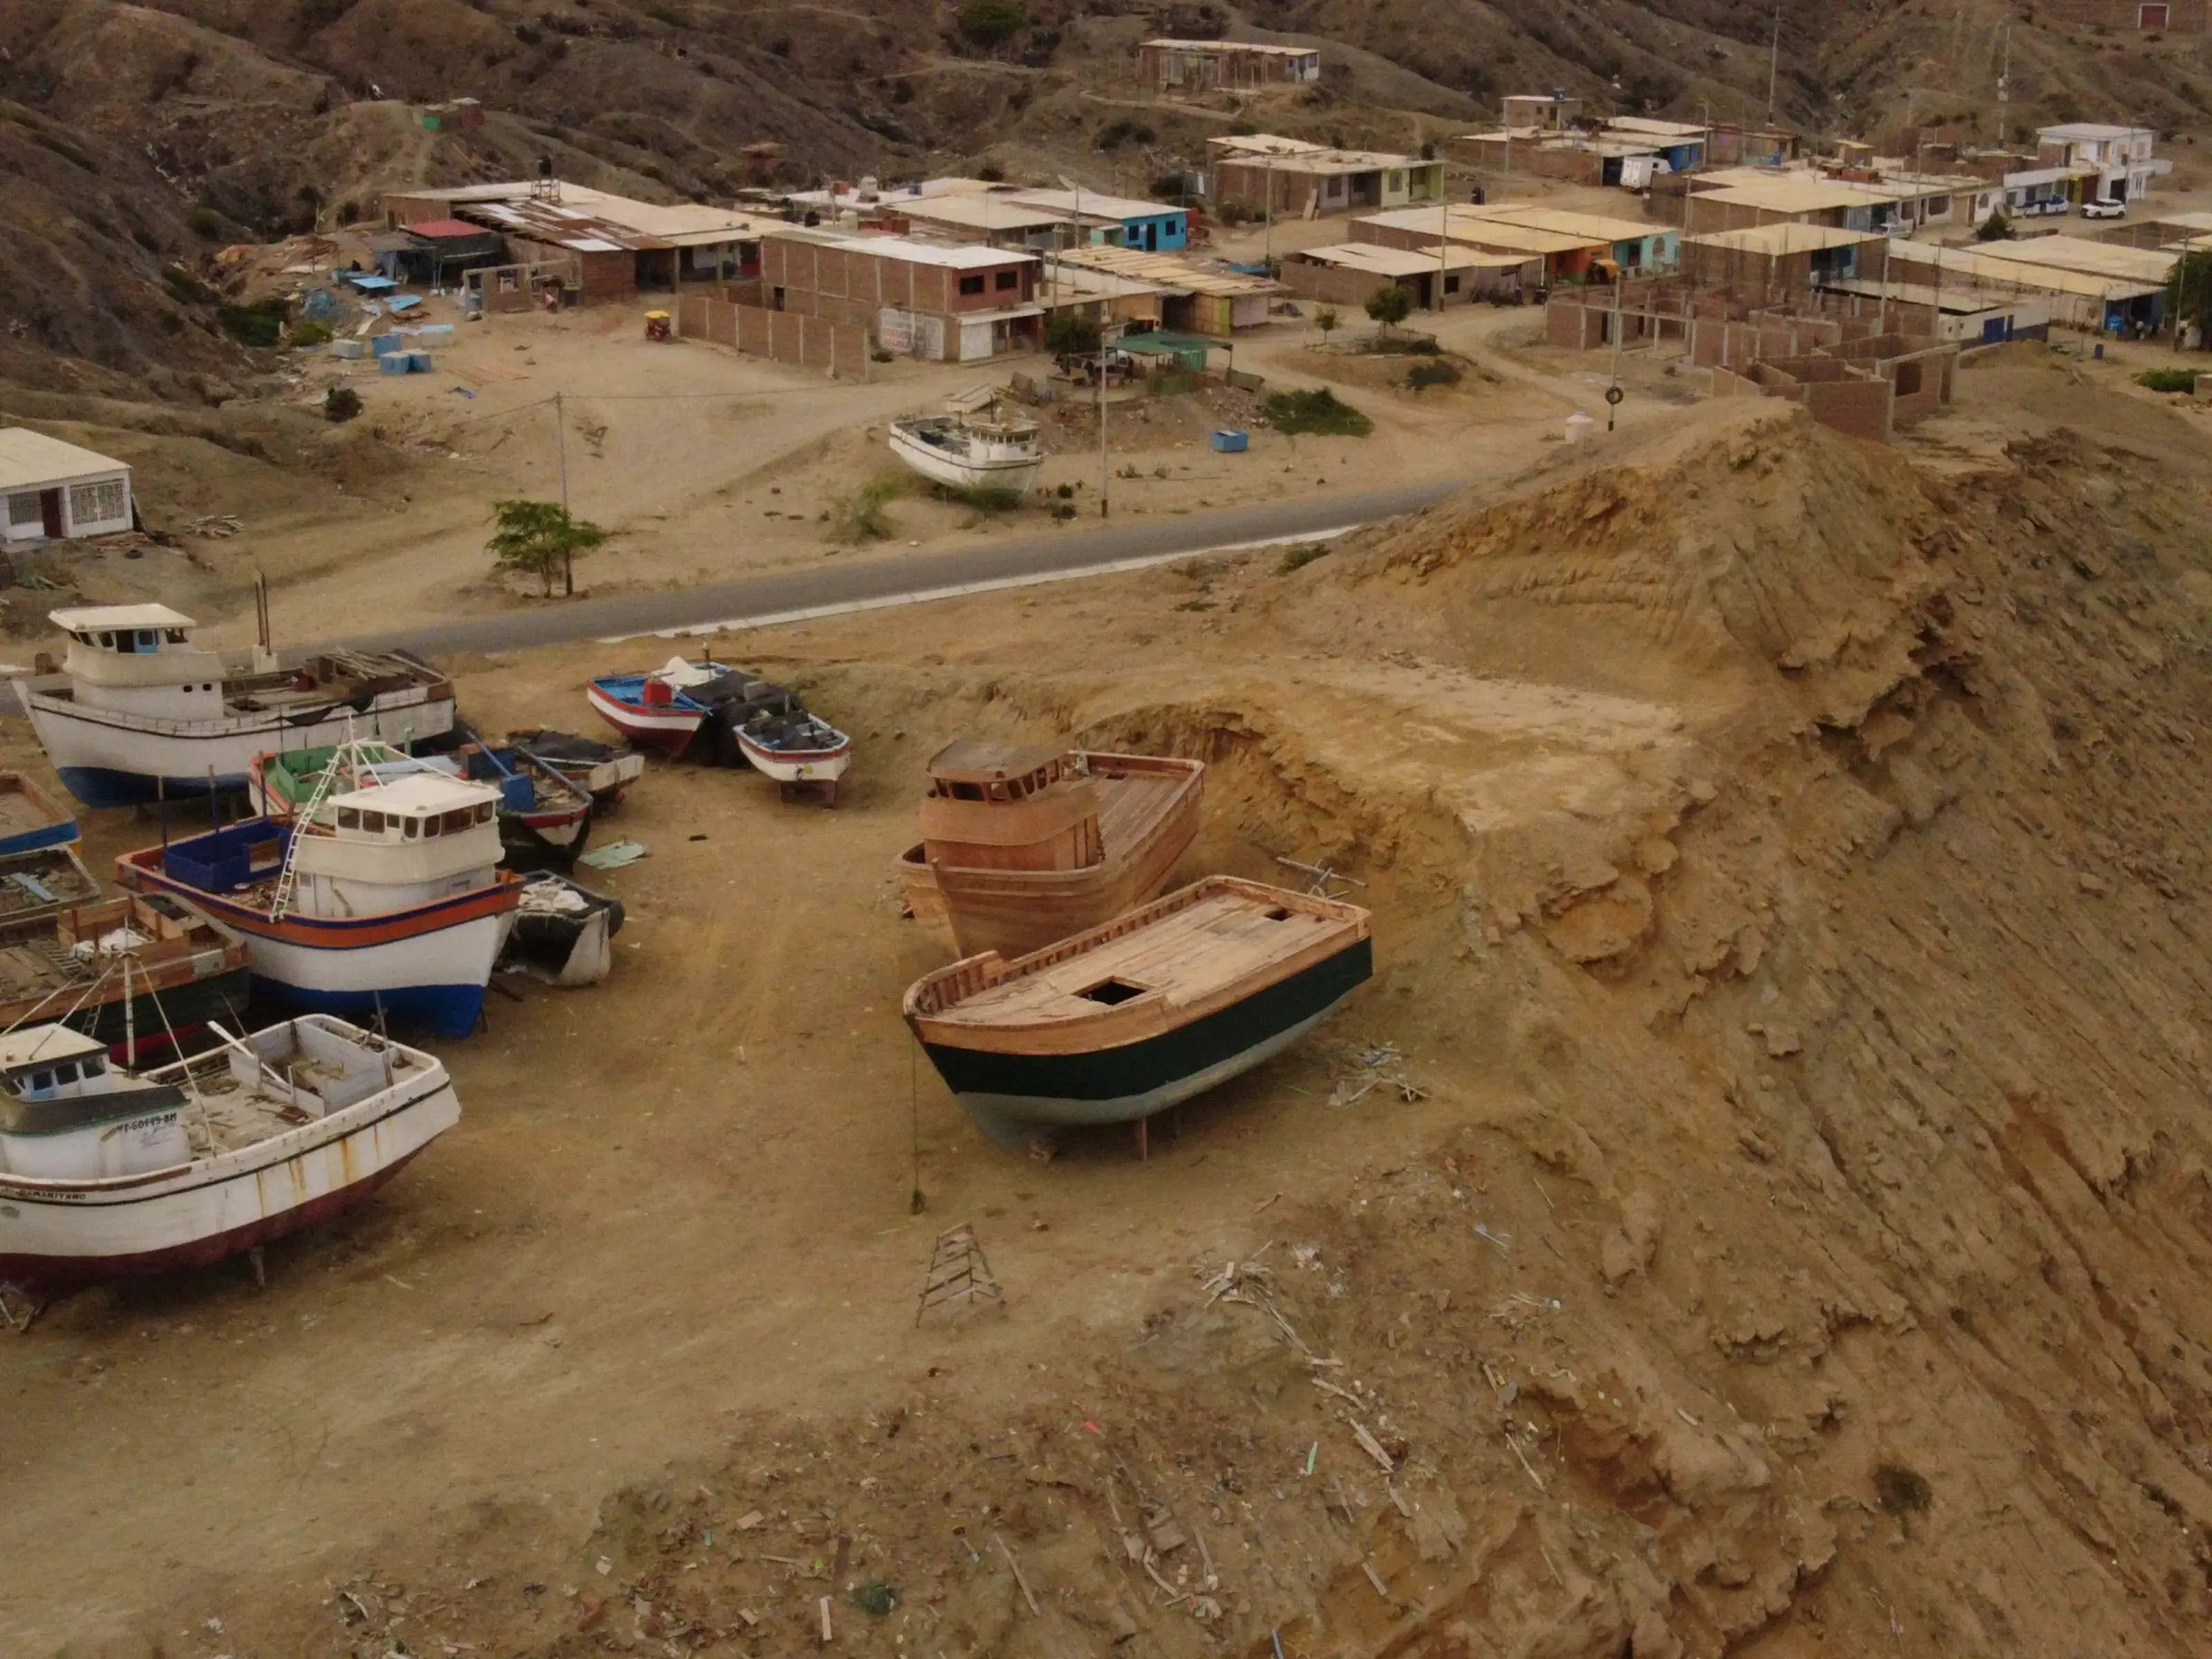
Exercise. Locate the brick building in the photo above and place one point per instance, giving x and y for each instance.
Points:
(2135, 16)
(947, 303)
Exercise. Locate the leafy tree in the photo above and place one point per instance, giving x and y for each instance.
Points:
(1070, 334)
(1325, 320)
(2189, 292)
(1390, 306)
(988, 23)
(543, 538)
(1995, 228)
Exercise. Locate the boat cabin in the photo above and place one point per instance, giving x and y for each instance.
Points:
(140, 659)
(424, 834)
(1010, 806)
(64, 1116)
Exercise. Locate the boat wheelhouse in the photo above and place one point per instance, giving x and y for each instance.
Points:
(139, 711)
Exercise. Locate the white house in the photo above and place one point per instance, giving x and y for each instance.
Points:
(54, 490)
(2120, 156)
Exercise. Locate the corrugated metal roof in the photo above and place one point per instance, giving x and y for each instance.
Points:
(28, 457)
(960, 256)
(1169, 272)
(1601, 226)
(1410, 261)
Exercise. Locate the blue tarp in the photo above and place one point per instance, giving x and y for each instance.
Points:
(368, 282)
(402, 302)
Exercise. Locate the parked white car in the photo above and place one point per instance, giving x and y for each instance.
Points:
(2103, 210)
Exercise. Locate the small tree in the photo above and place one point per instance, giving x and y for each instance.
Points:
(1390, 306)
(1325, 320)
(543, 538)
(987, 22)
(1070, 334)
(2189, 293)
(1995, 228)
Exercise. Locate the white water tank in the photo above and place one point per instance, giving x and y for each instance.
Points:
(1579, 428)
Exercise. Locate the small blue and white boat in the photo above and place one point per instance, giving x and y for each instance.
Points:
(139, 712)
(383, 899)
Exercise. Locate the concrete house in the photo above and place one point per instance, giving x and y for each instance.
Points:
(1552, 112)
(55, 490)
(2118, 159)
(947, 303)
(1305, 180)
(1218, 65)
(1154, 227)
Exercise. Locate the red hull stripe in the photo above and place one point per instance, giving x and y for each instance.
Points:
(43, 1273)
(328, 932)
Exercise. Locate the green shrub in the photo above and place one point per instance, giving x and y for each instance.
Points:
(1432, 371)
(1902, 1491)
(1070, 334)
(1995, 228)
(341, 404)
(1297, 559)
(1318, 412)
(2168, 380)
(859, 516)
(1114, 134)
(988, 23)
(204, 222)
(310, 333)
(260, 324)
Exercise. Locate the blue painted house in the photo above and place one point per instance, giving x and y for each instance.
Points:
(1151, 226)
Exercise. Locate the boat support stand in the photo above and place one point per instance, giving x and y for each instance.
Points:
(19, 1309)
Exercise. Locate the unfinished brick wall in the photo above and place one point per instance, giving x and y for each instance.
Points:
(2172, 17)
(783, 337)
(1335, 285)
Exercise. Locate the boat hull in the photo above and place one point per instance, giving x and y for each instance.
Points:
(1014, 476)
(108, 759)
(1014, 1098)
(1015, 912)
(426, 967)
(664, 731)
(798, 765)
(89, 1233)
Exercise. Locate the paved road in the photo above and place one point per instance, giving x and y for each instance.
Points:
(889, 580)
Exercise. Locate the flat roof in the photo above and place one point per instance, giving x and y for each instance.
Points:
(1263, 143)
(1569, 224)
(417, 794)
(2187, 218)
(2133, 265)
(444, 229)
(1804, 195)
(1236, 45)
(1095, 201)
(1950, 301)
(49, 1045)
(78, 618)
(2089, 130)
(1410, 261)
(984, 760)
(1169, 272)
(1977, 266)
(963, 255)
(987, 213)
(1783, 239)
(1459, 225)
(1329, 161)
(32, 457)
(1650, 129)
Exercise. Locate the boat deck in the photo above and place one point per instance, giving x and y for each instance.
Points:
(1130, 803)
(231, 1105)
(1192, 954)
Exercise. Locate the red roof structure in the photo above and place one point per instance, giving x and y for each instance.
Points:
(439, 229)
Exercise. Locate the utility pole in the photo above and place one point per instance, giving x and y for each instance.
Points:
(561, 447)
(1268, 172)
(1774, 63)
(2004, 93)
(1105, 468)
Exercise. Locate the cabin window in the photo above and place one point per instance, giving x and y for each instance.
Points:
(95, 1066)
(65, 1072)
(967, 792)
(409, 828)
(1111, 992)
(459, 820)
(41, 1081)
(484, 811)
(349, 817)
(373, 821)
(174, 635)
(431, 826)
(107, 640)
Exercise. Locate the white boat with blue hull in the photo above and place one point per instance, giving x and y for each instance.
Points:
(382, 900)
(138, 712)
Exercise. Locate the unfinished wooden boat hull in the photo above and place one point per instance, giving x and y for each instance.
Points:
(1015, 1097)
(30, 819)
(58, 1235)
(1015, 912)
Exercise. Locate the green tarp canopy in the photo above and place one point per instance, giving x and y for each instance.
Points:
(1165, 343)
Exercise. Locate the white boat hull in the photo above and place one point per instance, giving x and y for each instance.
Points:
(1013, 476)
(58, 1234)
(108, 758)
(816, 766)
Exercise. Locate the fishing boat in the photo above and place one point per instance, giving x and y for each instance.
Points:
(139, 713)
(379, 899)
(541, 814)
(37, 886)
(797, 748)
(992, 447)
(601, 770)
(1022, 845)
(140, 973)
(108, 1173)
(31, 820)
(666, 710)
(563, 932)
(1126, 1019)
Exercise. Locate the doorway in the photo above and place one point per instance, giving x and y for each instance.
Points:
(49, 512)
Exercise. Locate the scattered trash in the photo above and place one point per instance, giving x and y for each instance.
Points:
(1372, 1066)
(875, 1598)
(959, 1273)
(216, 526)
(614, 855)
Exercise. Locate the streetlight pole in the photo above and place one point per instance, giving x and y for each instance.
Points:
(1105, 467)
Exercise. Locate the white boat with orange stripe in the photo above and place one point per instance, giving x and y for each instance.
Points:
(384, 900)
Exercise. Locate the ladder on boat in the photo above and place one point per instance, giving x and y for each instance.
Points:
(288, 878)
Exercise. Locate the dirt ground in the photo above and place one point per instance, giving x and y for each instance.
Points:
(1788, 870)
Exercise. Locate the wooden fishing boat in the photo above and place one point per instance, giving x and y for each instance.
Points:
(600, 770)
(139, 973)
(106, 1175)
(1126, 1019)
(37, 886)
(140, 713)
(668, 710)
(1022, 845)
(542, 816)
(382, 899)
(995, 449)
(31, 819)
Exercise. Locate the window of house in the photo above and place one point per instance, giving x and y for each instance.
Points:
(1451, 284)
(174, 635)
(971, 284)
(97, 503)
(25, 509)
(1908, 379)
(1006, 279)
